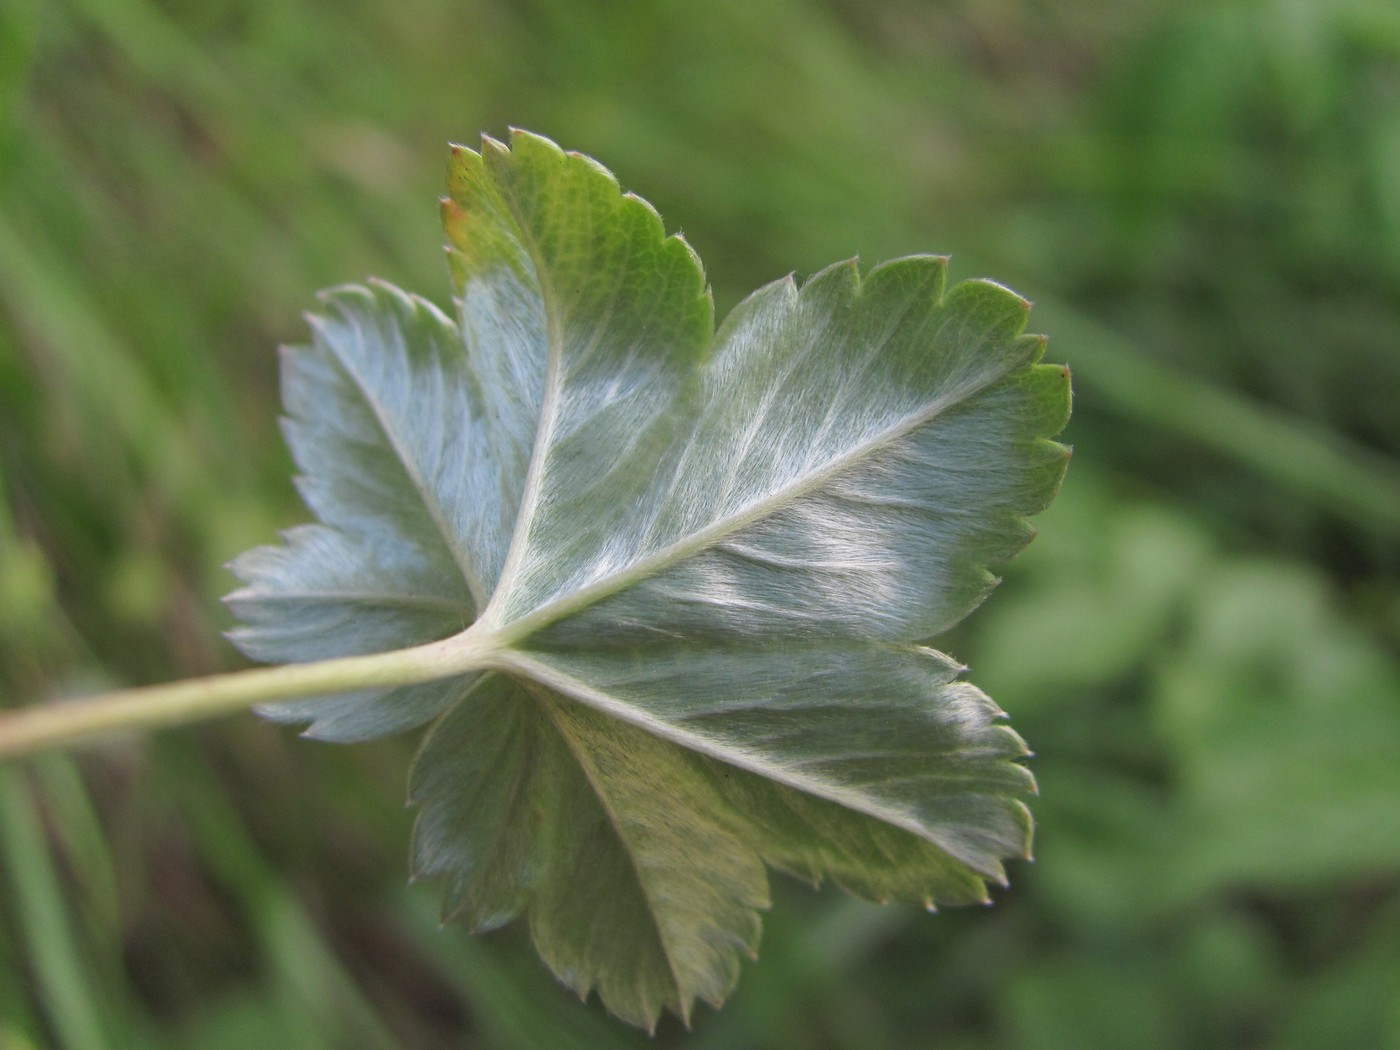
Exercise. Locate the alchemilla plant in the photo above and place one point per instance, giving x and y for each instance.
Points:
(662, 593)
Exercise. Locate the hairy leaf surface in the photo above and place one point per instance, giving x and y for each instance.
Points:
(709, 562)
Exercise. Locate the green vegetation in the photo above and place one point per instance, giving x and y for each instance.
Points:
(1202, 646)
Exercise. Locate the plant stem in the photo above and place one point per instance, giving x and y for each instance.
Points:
(69, 723)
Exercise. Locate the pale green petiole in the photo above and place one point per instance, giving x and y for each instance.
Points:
(70, 723)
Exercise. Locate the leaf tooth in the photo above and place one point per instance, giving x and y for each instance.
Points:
(1020, 300)
(920, 267)
(680, 238)
(450, 210)
(842, 277)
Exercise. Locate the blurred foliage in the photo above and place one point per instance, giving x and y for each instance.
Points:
(1202, 198)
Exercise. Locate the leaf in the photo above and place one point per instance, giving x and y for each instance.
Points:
(707, 563)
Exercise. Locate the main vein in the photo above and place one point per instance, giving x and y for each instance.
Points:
(732, 754)
(739, 519)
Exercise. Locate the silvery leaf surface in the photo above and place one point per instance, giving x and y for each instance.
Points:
(381, 408)
(713, 564)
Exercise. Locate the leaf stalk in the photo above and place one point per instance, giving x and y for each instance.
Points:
(73, 723)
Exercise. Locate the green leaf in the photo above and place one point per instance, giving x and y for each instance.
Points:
(707, 563)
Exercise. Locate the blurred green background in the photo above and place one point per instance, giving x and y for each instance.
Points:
(1203, 646)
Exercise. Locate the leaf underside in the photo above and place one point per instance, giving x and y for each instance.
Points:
(713, 560)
